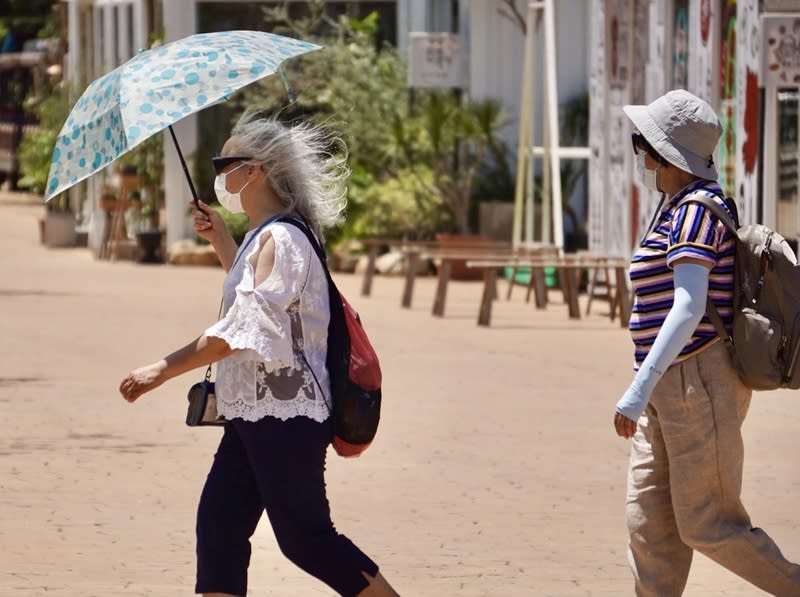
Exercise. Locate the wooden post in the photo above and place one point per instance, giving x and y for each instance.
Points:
(441, 288)
(369, 273)
(489, 281)
(623, 296)
(412, 260)
(539, 285)
(571, 284)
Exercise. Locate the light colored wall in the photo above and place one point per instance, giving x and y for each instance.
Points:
(180, 20)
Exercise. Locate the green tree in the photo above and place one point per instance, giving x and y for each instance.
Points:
(352, 86)
(453, 139)
(427, 152)
(27, 18)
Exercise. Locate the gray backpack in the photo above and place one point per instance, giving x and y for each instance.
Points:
(766, 305)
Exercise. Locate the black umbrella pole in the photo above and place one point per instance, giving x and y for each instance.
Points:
(185, 169)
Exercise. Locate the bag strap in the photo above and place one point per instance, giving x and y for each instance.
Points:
(724, 217)
(715, 208)
(333, 292)
(300, 223)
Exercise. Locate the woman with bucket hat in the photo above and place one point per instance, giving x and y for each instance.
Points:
(686, 404)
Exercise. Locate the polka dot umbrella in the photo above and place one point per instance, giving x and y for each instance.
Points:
(155, 89)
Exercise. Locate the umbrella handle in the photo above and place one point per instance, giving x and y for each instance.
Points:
(185, 169)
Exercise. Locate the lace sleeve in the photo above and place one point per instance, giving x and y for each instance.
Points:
(259, 319)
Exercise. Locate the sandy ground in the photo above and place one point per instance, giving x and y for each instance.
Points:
(495, 471)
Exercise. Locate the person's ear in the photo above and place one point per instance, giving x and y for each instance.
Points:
(254, 171)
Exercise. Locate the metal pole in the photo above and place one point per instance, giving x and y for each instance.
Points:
(185, 169)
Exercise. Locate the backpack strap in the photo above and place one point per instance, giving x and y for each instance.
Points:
(306, 229)
(724, 217)
(715, 208)
(333, 292)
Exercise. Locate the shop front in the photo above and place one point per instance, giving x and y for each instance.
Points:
(743, 57)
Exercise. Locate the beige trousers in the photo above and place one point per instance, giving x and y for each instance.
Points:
(685, 482)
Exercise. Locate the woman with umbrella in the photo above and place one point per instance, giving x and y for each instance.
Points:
(272, 385)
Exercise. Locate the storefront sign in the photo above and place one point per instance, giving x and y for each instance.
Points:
(434, 60)
(780, 50)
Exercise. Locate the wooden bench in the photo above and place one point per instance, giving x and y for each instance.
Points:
(569, 268)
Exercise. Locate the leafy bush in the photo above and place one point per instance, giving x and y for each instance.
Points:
(353, 87)
(34, 158)
(395, 207)
(37, 144)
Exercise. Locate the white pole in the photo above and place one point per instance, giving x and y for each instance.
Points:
(180, 20)
(547, 174)
(524, 142)
(74, 42)
(124, 41)
(109, 61)
(98, 68)
(140, 27)
(530, 164)
(552, 121)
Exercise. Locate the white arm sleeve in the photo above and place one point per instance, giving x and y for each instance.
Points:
(689, 305)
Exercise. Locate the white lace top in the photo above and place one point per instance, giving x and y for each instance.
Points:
(270, 327)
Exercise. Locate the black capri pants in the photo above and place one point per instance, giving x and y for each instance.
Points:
(277, 466)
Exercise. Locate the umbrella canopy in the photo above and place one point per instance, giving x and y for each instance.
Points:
(155, 89)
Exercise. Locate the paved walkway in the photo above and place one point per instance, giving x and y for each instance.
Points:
(495, 472)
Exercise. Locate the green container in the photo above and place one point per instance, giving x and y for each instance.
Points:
(524, 276)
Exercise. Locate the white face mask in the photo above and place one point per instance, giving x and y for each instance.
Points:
(230, 201)
(646, 176)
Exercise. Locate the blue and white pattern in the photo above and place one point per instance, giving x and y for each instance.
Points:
(157, 88)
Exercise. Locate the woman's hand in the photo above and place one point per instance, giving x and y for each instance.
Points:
(208, 224)
(142, 380)
(624, 426)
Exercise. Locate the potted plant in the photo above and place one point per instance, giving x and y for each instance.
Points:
(34, 155)
(143, 168)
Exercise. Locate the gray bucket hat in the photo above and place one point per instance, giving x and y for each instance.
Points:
(682, 128)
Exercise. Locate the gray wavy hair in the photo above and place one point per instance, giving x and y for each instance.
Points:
(304, 172)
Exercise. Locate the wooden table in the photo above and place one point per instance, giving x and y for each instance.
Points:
(569, 268)
(446, 258)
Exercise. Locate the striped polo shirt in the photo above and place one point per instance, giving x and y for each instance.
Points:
(689, 231)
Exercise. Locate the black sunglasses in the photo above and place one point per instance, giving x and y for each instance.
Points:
(222, 162)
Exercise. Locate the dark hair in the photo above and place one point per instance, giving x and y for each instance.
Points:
(640, 143)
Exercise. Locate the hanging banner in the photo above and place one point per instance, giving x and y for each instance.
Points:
(434, 60)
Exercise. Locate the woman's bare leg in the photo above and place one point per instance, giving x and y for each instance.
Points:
(378, 587)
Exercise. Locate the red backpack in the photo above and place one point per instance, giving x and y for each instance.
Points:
(353, 367)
